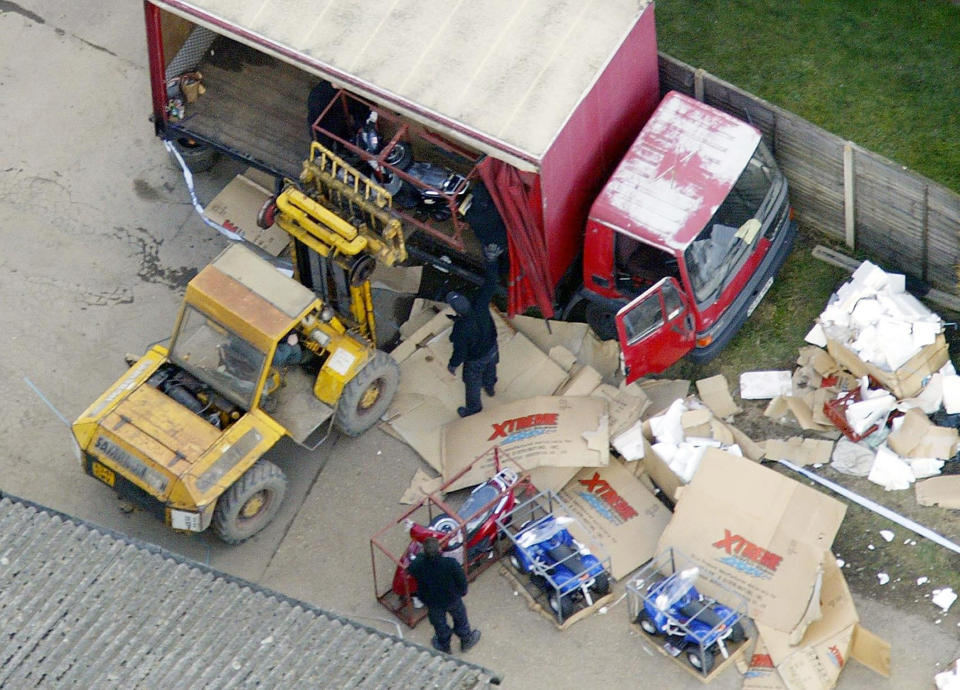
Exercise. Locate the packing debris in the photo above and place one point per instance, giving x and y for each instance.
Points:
(944, 598)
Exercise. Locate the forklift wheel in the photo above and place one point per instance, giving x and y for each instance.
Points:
(250, 503)
(368, 395)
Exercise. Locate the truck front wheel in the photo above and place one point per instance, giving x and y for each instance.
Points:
(368, 395)
(602, 320)
(250, 503)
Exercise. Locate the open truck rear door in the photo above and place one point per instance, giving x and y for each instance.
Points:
(655, 330)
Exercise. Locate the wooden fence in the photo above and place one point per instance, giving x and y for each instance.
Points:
(902, 220)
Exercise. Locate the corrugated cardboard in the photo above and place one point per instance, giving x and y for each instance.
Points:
(237, 205)
(815, 663)
(907, 380)
(624, 405)
(662, 392)
(803, 451)
(545, 430)
(918, 437)
(761, 674)
(620, 513)
(757, 532)
(939, 491)
(715, 393)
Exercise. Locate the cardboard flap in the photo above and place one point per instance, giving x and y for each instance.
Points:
(619, 511)
(939, 491)
(760, 533)
(871, 651)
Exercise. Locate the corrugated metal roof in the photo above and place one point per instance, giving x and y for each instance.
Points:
(677, 173)
(508, 71)
(85, 607)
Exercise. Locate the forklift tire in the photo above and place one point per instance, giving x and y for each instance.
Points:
(250, 503)
(368, 395)
(602, 321)
(198, 156)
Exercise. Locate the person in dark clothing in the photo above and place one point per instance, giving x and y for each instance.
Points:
(441, 584)
(474, 338)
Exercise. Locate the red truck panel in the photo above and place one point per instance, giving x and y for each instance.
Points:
(596, 136)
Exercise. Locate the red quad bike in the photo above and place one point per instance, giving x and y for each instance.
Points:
(478, 515)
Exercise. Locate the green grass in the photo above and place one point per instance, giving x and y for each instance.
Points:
(881, 73)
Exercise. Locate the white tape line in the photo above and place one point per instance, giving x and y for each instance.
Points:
(876, 507)
(188, 178)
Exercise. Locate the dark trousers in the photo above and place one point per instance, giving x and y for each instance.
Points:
(479, 373)
(461, 626)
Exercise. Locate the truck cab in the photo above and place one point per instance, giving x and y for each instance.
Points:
(686, 236)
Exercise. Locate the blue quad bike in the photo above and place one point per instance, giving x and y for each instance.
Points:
(693, 624)
(559, 564)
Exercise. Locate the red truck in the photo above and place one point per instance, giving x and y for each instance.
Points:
(656, 219)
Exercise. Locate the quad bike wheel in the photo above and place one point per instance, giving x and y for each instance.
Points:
(736, 633)
(250, 503)
(700, 659)
(516, 564)
(646, 623)
(368, 395)
(560, 604)
(601, 584)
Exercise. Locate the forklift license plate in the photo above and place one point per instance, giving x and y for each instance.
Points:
(103, 473)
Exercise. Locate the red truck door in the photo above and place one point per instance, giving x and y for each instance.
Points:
(655, 330)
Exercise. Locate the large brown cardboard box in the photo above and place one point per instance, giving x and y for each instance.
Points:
(758, 533)
(829, 643)
(620, 512)
(907, 380)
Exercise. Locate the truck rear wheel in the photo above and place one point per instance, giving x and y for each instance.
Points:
(250, 503)
(602, 321)
(368, 395)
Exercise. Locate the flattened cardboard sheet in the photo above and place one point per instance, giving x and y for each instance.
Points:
(757, 532)
(237, 205)
(939, 491)
(715, 393)
(619, 511)
(802, 451)
(918, 437)
(662, 393)
(545, 430)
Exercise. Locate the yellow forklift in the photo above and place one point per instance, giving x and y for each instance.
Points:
(254, 356)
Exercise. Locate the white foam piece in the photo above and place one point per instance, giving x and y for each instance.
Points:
(667, 427)
(816, 336)
(925, 467)
(764, 385)
(951, 394)
(864, 414)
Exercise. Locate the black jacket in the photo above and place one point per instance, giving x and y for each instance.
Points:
(440, 580)
(474, 334)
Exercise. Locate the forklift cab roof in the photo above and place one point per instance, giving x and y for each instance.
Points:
(676, 174)
(499, 76)
(249, 295)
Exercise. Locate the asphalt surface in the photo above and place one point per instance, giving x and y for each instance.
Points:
(98, 241)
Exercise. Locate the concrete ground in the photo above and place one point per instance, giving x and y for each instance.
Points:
(98, 240)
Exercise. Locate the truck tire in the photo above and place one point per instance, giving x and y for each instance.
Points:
(368, 395)
(250, 503)
(602, 321)
(198, 156)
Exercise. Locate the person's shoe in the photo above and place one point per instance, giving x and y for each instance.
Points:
(489, 391)
(470, 641)
(435, 642)
(464, 412)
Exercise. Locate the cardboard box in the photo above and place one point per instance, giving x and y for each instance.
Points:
(237, 205)
(619, 511)
(907, 380)
(829, 643)
(759, 533)
(545, 430)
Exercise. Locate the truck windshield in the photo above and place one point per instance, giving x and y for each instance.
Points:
(217, 356)
(714, 257)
